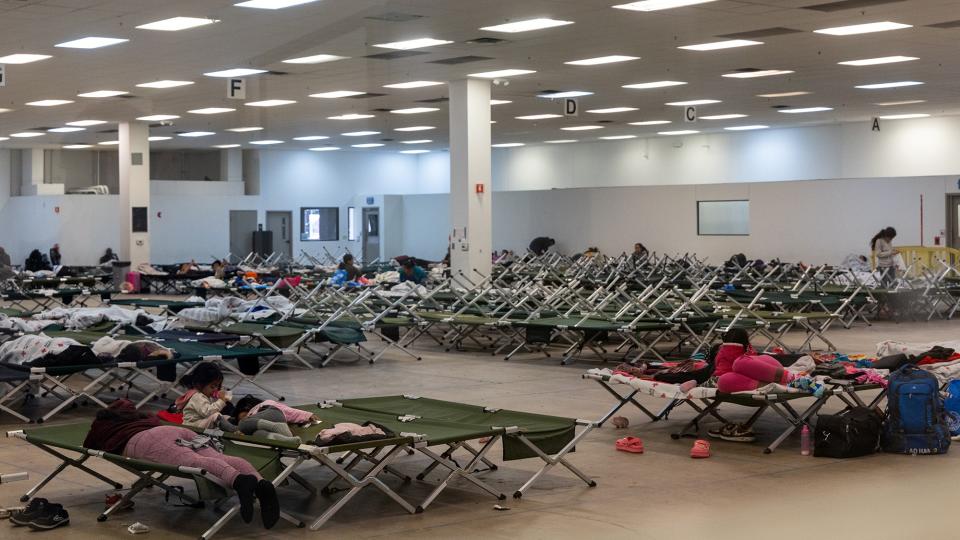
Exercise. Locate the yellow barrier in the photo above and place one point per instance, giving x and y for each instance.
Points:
(918, 258)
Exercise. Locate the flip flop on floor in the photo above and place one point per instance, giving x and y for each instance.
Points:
(700, 450)
(630, 444)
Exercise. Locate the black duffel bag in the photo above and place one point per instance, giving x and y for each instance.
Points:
(852, 434)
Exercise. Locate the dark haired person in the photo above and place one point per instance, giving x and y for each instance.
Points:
(353, 273)
(882, 246)
(541, 244)
(411, 272)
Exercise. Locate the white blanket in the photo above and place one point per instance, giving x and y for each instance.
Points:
(26, 349)
(107, 346)
(29, 326)
(82, 318)
(886, 348)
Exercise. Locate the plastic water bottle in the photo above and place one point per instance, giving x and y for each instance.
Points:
(805, 440)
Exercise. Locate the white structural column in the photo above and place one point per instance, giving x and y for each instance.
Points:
(471, 191)
(231, 165)
(134, 191)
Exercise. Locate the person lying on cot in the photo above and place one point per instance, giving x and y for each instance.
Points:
(188, 268)
(203, 404)
(269, 419)
(120, 429)
(411, 272)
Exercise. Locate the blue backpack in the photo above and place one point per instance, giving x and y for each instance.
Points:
(915, 416)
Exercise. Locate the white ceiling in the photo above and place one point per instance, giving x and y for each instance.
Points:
(262, 39)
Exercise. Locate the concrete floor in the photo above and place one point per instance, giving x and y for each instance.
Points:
(662, 494)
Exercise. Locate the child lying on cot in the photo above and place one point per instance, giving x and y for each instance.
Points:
(120, 429)
(269, 419)
(202, 404)
(738, 368)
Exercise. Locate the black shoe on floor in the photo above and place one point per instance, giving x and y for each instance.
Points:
(269, 504)
(33, 510)
(55, 516)
(245, 485)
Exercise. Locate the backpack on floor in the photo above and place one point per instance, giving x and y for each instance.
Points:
(852, 434)
(915, 416)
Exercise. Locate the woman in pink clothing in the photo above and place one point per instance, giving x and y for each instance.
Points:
(269, 419)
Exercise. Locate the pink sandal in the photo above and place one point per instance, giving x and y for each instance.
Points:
(630, 444)
(700, 450)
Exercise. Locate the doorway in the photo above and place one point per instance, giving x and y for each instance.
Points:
(371, 234)
(953, 221)
(243, 223)
(281, 224)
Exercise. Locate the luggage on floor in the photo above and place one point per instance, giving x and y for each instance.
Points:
(916, 421)
(952, 405)
(852, 434)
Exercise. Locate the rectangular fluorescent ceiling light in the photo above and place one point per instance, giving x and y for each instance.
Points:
(650, 123)
(414, 151)
(877, 61)
(903, 116)
(86, 123)
(272, 4)
(755, 74)
(49, 102)
(600, 60)
(212, 110)
(499, 101)
(4, 138)
(723, 116)
(880, 86)
(23, 58)
(92, 42)
(617, 137)
(415, 128)
(158, 117)
(561, 141)
(27, 134)
(526, 26)
(360, 133)
(196, 134)
(745, 128)
(158, 138)
(420, 141)
(337, 94)
(719, 45)
(226, 146)
(235, 72)
(412, 84)
(76, 146)
(413, 44)
(538, 116)
(267, 142)
(350, 117)
(783, 94)
(165, 84)
(805, 110)
(612, 110)
(270, 103)
(315, 59)
(103, 94)
(655, 84)
(502, 73)
(681, 132)
(109, 143)
(367, 145)
(581, 128)
(325, 149)
(177, 23)
(862, 28)
(311, 138)
(245, 129)
(570, 94)
(694, 102)
(507, 145)
(414, 110)
(657, 5)
(894, 103)
(66, 130)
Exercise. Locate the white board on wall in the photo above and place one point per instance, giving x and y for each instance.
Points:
(723, 218)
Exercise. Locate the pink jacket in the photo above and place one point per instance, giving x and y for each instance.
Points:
(291, 415)
(726, 356)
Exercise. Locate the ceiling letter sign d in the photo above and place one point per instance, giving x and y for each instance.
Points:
(571, 107)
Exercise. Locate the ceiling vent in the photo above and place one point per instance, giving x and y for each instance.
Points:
(948, 24)
(761, 33)
(460, 60)
(366, 95)
(849, 4)
(395, 55)
(434, 100)
(395, 17)
(780, 107)
(485, 41)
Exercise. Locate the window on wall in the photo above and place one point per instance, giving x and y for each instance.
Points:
(723, 218)
(351, 223)
(319, 224)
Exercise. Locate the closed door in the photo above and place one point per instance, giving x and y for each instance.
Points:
(280, 224)
(371, 234)
(953, 221)
(242, 225)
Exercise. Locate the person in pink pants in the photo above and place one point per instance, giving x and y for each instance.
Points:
(751, 372)
(159, 444)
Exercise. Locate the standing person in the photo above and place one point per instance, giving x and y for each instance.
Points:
(412, 272)
(108, 257)
(353, 273)
(882, 246)
(541, 244)
(639, 253)
(55, 255)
